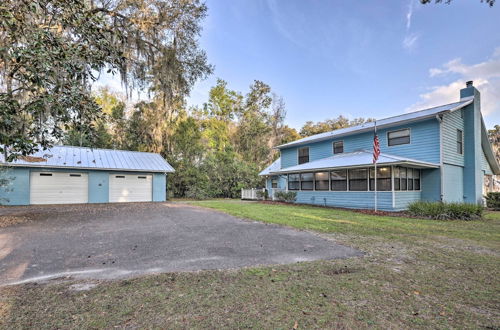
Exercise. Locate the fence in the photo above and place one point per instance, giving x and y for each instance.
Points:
(252, 194)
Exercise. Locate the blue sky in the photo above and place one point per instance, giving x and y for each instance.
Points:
(355, 58)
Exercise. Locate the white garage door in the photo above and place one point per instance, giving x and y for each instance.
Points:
(130, 188)
(58, 188)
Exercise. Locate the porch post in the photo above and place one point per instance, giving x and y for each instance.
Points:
(392, 190)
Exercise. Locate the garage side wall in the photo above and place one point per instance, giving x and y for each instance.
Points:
(17, 191)
(159, 187)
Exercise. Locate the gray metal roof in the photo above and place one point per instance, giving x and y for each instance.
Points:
(391, 121)
(355, 159)
(275, 166)
(99, 159)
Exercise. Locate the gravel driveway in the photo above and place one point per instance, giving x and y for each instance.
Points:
(107, 241)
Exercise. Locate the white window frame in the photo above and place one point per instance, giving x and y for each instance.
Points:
(397, 130)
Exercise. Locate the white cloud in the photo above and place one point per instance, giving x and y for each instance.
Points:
(486, 77)
(409, 14)
(410, 41)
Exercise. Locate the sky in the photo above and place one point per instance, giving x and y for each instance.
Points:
(374, 58)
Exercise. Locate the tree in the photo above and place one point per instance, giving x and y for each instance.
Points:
(494, 137)
(424, 2)
(52, 50)
(311, 128)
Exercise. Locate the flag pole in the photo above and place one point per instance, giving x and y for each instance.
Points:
(376, 171)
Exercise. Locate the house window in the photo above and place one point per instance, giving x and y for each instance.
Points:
(338, 147)
(416, 179)
(402, 180)
(306, 181)
(339, 180)
(303, 155)
(460, 142)
(383, 179)
(274, 183)
(396, 179)
(293, 181)
(321, 181)
(398, 137)
(358, 179)
(410, 178)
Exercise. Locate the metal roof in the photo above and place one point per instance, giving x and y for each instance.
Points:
(275, 166)
(355, 159)
(88, 158)
(391, 121)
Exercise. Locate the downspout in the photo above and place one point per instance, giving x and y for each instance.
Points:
(439, 118)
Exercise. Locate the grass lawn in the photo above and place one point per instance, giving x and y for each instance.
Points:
(415, 274)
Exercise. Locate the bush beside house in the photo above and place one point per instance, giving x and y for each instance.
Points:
(493, 200)
(446, 211)
(286, 196)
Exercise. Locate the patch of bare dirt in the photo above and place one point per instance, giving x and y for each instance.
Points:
(10, 220)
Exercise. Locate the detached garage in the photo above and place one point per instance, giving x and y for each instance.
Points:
(70, 175)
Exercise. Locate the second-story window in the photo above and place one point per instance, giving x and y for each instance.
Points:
(398, 137)
(303, 155)
(460, 141)
(338, 147)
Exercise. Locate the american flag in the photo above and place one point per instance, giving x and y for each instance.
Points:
(376, 148)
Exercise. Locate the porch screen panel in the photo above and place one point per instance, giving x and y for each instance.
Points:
(402, 175)
(321, 181)
(339, 180)
(396, 178)
(416, 179)
(410, 178)
(306, 181)
(383, 179)
(293, 181)
(358, 179)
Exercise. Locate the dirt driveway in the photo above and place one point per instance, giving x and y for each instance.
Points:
(108, 241)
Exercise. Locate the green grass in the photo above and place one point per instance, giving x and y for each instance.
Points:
(329, 220)
(415, 274)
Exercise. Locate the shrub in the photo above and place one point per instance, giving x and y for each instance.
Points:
(446, 211)
(262, 194)
(493, 200)
(286, 196)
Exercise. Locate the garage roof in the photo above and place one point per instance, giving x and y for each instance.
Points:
(93, 158)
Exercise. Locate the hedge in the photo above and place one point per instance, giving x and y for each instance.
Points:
(286, 196)
(446, 211)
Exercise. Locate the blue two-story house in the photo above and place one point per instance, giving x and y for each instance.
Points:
(436, 154)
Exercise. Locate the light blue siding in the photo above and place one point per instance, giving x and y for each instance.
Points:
(485, 165)
(98, 187)
(473, 176)
(424, 144)
(159, 187)
(289, 157)
(18, 190)
(403, 198)
(347, 199)
(453, 183)
(431, 185)
(451, 123)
